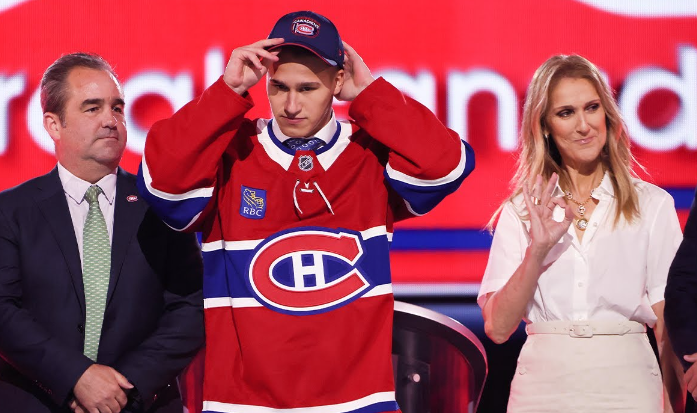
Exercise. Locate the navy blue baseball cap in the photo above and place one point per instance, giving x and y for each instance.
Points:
(313, 32)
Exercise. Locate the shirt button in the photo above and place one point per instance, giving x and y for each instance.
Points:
(595, 224)
(580, 284)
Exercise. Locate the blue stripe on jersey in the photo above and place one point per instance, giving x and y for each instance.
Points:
(423, 198)
(219, 263)
(381, 407)
(176, 214)
(226, 271)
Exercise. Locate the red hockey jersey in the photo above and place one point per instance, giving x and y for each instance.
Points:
(297, 288)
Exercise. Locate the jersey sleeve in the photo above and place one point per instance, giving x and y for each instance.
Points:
(427, 161)
(183, 154)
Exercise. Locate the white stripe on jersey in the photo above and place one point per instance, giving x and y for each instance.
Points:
(187, 225)
(411, 210)
(251, 244)
(194, 193)
(452, 176)
(247, 302)
(230, 302)
(383, 289)
(374, 398)
(374, 232)
(230, 245)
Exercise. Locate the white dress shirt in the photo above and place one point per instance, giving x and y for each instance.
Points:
(325, 134)
(75, 189)
(614, 273)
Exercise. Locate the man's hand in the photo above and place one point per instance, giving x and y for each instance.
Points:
(356, 75)
(691, 375)
(100, 389)
(245, 67)
(76, 408)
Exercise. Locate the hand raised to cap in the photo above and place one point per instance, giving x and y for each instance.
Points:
(249, 64)
(357, 76)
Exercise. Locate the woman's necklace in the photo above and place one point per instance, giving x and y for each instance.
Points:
(581, 223)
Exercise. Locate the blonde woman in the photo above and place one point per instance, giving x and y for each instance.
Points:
(581, 252)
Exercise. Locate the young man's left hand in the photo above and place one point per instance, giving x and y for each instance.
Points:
(356, 75)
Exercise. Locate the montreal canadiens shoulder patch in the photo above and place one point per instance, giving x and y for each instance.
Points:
(308, 270)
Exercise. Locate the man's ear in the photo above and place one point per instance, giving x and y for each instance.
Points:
(53, 125)
(339, 81)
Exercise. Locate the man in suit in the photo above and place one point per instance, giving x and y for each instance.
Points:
(681, 304)
(100, 302)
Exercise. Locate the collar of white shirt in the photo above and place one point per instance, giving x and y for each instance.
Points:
(325, 134)
(605, 187)
(76, 187)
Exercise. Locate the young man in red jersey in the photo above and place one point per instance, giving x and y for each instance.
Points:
(297, 216)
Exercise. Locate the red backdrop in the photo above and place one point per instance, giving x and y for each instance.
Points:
(470, 62)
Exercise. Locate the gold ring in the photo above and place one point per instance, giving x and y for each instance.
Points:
(536, 201)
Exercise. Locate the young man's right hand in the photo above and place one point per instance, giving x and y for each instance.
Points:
(248, 64)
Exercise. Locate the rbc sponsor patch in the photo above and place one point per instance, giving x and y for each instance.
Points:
(253, 204)
(308, 270)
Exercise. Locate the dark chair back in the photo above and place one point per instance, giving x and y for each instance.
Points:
(440, 366)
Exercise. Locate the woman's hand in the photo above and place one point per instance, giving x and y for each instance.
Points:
(545, 232)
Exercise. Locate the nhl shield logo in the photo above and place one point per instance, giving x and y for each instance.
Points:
(305, 163)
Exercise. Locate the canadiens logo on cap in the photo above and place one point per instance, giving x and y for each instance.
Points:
(302, 29)
(304, 26)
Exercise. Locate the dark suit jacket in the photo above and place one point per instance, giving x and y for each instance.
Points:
(153, 322)
(681, 292)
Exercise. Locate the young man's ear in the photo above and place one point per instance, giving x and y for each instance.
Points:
(53, 125)
(339, 79)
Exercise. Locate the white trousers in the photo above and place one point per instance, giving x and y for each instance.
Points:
(602, 373)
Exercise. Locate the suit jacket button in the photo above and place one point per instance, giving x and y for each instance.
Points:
(81, 328)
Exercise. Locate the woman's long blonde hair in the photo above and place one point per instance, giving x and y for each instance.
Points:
(539, 154)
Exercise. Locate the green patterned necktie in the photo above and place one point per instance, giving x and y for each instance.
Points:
(96, 264)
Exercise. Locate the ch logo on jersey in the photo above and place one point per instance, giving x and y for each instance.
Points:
(253, 204)
(304, 26)
(305, 163)
(308, 271)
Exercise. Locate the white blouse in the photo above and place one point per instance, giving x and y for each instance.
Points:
(614, 273)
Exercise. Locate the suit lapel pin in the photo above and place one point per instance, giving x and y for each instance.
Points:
(132, 198)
